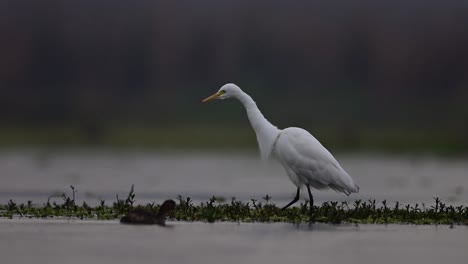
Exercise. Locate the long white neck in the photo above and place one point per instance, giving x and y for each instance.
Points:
(266, 132)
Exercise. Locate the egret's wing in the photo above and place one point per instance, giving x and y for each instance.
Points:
(313, 164)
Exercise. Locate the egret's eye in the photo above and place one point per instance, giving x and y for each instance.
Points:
(222, 92)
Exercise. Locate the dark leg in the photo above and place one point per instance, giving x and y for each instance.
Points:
(293, 201)
(311, 198)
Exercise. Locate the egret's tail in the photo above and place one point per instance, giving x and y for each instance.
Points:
(348, 191)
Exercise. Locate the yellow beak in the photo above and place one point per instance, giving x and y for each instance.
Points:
(212, 97)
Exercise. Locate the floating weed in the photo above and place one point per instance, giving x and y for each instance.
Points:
(124, 206)
(219, 209)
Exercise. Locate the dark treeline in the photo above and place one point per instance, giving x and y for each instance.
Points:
(398, 63)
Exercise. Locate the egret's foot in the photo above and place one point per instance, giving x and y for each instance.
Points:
(296, 198)
(311, 217)
(311, 201)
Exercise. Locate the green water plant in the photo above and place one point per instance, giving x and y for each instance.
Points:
(218, 209)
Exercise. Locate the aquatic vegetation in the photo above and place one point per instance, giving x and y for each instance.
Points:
(220, 209)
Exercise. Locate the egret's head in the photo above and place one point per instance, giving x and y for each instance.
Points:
(226, 91)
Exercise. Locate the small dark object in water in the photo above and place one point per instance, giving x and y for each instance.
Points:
(142, 216)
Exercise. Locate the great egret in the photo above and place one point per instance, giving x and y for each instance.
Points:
(141, 216)
(305, 160)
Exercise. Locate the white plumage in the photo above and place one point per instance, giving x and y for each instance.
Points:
(305, 160)
(308, 162)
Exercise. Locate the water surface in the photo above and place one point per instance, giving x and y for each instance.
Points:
(36, 174)
(77, 241)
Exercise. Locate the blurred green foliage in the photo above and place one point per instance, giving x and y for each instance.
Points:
(227, 137)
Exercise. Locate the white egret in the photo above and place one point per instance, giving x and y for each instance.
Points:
(305, 160)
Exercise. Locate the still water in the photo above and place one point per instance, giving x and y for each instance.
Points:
(62, 241)
(37, 174)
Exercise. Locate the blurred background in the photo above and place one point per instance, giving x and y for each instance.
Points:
(388, 75)
(362, 76)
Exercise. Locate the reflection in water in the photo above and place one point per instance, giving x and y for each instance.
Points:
(321, 227)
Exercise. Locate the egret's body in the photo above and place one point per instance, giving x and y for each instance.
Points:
(305, 160)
